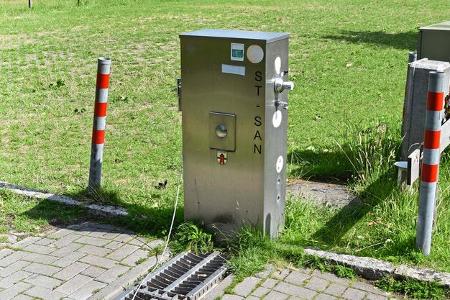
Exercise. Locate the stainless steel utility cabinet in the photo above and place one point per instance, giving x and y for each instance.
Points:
(234, 106)
(434, 42)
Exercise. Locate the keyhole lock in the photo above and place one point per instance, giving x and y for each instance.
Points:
(221, 131)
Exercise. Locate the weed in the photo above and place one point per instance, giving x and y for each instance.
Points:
(412, 288)
(191, 237)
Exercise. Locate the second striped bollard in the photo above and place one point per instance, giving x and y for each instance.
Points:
(98, 131)
(430, 162)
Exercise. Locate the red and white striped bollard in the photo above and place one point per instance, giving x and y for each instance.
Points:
(98, 132)
(430, 162)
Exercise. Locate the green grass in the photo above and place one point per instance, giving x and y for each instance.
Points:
(347, 58)
(22, 214)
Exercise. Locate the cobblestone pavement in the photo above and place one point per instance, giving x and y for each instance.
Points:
(273, 284)
(81, 261)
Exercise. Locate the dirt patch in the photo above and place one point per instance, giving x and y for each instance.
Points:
(320, 193)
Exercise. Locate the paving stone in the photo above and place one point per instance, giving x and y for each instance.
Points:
(98, 261)
(14, 267)
(245, 287)
(269, 283)
(324, 297)
(26, 241)
(22, 297)
(114, 245)
(44, 242)
(294, 290)
(335, 289)
(296, 277)
(231, 297)
(317, 284)
(69, 259)
(274, 295)
(59, 234)
(367, 288)
(44, 293)
(67, 240)
(12, 258)
(87, 290)
(74, 284)
(371, 296)
(42, 269)
(63, 251)
(353, 294)
(123, 237)
(71, 270)
(43, 281)
(5, 252)
(110, 235)
(12, 279)
(266, 272)
(92, 241)
(136, 242)
(38, 249)
(122, 252)
(135, 257)
(280, 274)
(112, 274)
(94, 250)
(14, 290)
(333, 278)
(40, 258)
(260, 291)
(93, 271)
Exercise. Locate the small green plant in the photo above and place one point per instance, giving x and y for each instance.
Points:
(344, 272)
(193, 238)
(412, 288)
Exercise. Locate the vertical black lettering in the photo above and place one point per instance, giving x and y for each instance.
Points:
(257, 148)
(257, 89)
(257, 135)
(258, 121)
(258, 75)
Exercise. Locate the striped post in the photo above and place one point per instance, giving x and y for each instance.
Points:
(98, 132)
(430, 162)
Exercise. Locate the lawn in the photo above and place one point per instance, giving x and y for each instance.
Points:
(347, 58)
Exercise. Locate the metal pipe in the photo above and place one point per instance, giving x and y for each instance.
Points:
(98, 132)
(430, 163)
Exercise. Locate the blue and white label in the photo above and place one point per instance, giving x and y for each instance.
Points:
(237, 52)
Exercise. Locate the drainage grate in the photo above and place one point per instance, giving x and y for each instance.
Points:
(185, 277)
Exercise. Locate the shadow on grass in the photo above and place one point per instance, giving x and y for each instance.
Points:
(329, 166)
(399, 40)
(141, 220)
(347, 217)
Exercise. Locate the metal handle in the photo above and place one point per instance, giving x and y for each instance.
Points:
(280, 85)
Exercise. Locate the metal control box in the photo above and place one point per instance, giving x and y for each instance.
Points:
(234, 108)
(434, 42)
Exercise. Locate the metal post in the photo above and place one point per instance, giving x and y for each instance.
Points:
(98, 132)
(430, 163)
(30, 3)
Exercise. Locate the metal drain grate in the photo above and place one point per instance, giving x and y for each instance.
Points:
(185, 277)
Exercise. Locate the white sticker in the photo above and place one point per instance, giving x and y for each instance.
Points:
(277, 118)
(255, 54)
(280, 163)
(237, 52)
(277, 65)
(230, 69)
